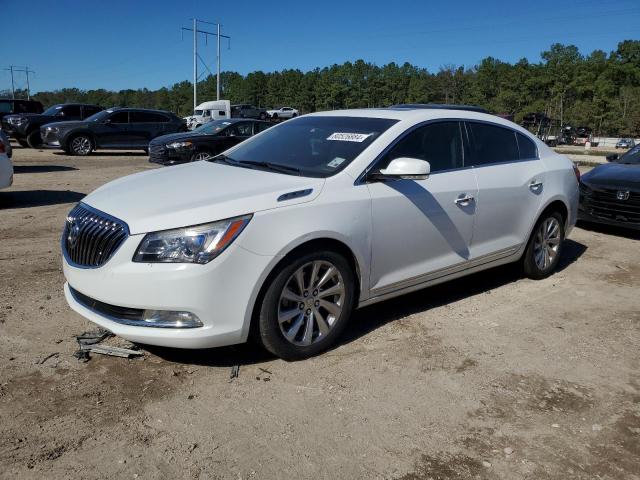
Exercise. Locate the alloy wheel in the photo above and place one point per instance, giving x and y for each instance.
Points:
(547, 243)
(311, 302)
(201, 156)
(81, 145)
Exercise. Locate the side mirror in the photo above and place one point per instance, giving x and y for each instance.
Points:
(404, 168)
(613, 157)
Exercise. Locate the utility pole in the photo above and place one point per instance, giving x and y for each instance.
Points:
(27, 71)
(218, 35)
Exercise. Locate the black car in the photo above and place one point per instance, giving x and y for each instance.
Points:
(13, 105)
(25, 127)
(610, 193)
(248, 111)
(204, 142)
(114, 128)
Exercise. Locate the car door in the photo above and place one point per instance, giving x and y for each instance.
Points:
(422, 229)
(510, 179)
(145, 126)
(113, 130)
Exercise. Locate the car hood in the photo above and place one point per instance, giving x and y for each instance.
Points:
(196, 193)
(175, 137)
(614, 175)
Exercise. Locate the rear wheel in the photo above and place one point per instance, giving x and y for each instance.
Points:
(307, 305)
(545, 246)
(34, 140)
(80, 145)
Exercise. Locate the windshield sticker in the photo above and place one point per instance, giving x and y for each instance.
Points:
(349, 137)
(336, 162)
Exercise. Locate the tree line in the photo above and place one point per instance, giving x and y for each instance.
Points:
(599, 90)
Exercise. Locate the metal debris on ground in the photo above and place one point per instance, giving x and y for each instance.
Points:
(89, 342)
(54, 354)
(235, 371)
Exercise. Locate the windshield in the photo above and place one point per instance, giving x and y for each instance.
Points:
(98, 116)
(52, 110)
(632, 157)
(315, 146)
(211, 128)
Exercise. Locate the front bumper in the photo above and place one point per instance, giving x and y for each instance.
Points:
(221, 293)
(165, 156)
(586, 216)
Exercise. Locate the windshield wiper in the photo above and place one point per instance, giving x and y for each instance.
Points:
(251, 163)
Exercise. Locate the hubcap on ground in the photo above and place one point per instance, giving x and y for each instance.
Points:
(311, 302)
(547, 243)
(81, 145)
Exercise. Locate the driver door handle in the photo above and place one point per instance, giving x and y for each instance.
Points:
(464, 201)
(535, 185)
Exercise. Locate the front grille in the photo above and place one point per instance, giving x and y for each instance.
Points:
(91, 237)
(156, 153)
(604, 203)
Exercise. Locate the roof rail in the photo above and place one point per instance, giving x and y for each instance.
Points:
(438, 106)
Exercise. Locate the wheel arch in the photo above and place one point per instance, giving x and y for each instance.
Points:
(326, 242)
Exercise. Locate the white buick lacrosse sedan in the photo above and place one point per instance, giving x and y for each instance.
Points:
(282, 236)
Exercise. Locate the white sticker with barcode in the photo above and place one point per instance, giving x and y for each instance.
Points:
(348, 137)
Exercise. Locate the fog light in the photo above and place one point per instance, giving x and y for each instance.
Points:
(170, 319)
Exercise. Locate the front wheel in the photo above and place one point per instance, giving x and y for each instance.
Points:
(80, 145)
(34, 140)
(196, 157)
(307, 305)
(545, 246)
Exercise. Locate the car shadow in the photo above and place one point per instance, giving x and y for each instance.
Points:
(609, 230)
(38, 198)
(100, 153)
(41, 168)
(368, 319)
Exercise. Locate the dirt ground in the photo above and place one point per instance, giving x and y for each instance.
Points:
(492, 376)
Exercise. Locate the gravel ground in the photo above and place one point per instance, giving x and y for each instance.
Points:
(492, 376)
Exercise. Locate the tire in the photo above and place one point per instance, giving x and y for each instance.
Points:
(80, 145)
(202, 155)
(294, 115)
(23, 143)
(545, 246)
(274, 116)
(298, 311)
(34, 140)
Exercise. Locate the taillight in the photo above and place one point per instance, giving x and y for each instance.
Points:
(577, 172)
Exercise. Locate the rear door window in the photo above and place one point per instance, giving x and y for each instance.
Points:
(526, 147)
(148, 117)
(492, 144)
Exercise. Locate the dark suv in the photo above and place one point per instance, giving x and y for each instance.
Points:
(114, 128)
(11, 105)
(25, 127)
(248, 111)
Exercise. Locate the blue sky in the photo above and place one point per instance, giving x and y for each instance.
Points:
(118, 44)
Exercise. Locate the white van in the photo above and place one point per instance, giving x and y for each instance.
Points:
(207, 111)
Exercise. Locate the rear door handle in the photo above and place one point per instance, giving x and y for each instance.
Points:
(464, 201)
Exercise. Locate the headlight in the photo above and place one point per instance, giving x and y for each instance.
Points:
(180, 145)
(197, 244)
(52, 129)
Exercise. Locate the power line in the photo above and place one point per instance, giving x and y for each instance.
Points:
(27, 71)
(206, 34)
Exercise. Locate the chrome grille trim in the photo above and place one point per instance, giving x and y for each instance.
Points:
(91, 237)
